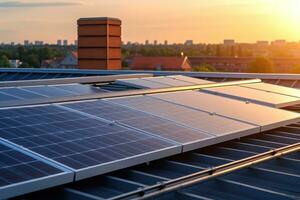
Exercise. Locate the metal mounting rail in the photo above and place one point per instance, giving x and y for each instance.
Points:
(175, 184)
(91, 79)
(222, 75)
(14, 103)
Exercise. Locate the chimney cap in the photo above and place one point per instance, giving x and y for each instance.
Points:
(98, 20)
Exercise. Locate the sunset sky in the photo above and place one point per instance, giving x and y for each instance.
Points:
(207, 21)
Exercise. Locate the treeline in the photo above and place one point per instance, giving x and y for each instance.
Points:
(266, 65)
(258, 65)
(188, 50)
(29, 56)
(238, 50)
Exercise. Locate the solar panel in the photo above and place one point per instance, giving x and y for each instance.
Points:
(87, 145)
(38, 92)
(79, 89)
(255, 96)
(7, 97)
(140, 83)
(165, 80)
(191, 80)
(274, 89)
(162, 82)
(222, 127)
(21, 173)
(190, 138)
(19, 93)
(48, 91)
(266, 117)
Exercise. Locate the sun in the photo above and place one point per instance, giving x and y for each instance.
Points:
(291, 8)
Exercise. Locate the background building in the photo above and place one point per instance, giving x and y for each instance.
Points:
(279, 42)
(241, 64)
(65, 43)
(70, 61)
(189, 42)
(229, 42)
(168, 63)
(262, 43)
(59, 43)
(15, 63)
(26, 42)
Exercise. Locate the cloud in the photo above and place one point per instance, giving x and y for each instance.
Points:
(21, 4)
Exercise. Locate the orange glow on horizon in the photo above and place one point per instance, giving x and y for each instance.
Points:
(173, 20)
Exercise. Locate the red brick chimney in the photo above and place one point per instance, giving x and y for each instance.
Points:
(99, 43)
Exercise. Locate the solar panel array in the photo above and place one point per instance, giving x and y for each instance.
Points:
(36, 92)
(162, 82)
(253, 95)
(43, 146)
(78, 141)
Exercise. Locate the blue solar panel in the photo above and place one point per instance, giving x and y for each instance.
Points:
(7, 97)
(39, 92)
(49, 91)
(15, 76)
(19, 93)
(18, 171)
(145, 122)
(204, 121)
(80, 142)
(79, 89)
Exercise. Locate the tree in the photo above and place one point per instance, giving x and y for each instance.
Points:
(204, 68)
(24, 65)
(232, 51)
(208, 50)
(261, 65)
(45, 53)
(33, 61)
(240, 51)
(218, 50)
(4, 62)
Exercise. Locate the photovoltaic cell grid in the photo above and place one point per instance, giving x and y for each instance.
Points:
(191, 80)
(77, 141)
(292, 92)
(141, 83)
(36, 92)
(203, 121)
(177, 80)
(255, 96)
(163, 82)
(265, 117)
(18, 169)
(142, 121)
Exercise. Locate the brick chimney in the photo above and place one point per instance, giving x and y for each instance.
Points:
(99, 43)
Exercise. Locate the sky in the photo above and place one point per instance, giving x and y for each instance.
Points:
(205, 21)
